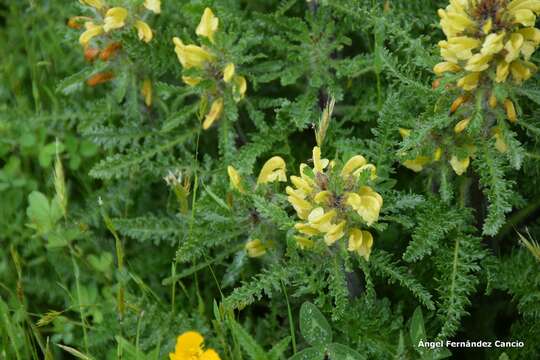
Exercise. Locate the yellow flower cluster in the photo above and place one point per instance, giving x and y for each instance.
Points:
(200, 57)
(327, 204)
(495, 38)
(190, 346)
(273, 170)
(111, 18)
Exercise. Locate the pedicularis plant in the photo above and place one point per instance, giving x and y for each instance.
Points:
(289, 179)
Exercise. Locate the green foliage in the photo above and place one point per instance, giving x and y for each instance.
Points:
(121, 229)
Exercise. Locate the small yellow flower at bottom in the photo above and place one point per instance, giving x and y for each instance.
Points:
(190, 346)
(255, 248)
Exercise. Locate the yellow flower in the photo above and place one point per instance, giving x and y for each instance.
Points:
(417, 164)
(492, 101)
(303, 242)
(524, 17)
(239, 87)
(531, 38)
(478, 62)
(510, 110)
(533, 5)
(302, 185)
(469, 82)
(323, 197)
(189, 346)
(255, 248)
(153, 5)
(91, 31)
(191, 55)
(216, 109)
(456, 104)
(455, 19)
(235, 179)
(143, 31)
(471, 44)
(115, 18)
(361, 242)
(445, 66)
(146, 91)
(459, 166)
(352, 165)
(462, 125)
(503, 69)
(191, 80)
(228, 72)
(458, 48)
(500, 144)
(297, 200)
(367, 204)
(493, 44)
(208, 25)
(306, 229)
(437, 154)
(404, 133)
(522, 70)
(273, 170)
(318, 164)
(513, 47)
(335, 233)
(320, 220)
(98, 4)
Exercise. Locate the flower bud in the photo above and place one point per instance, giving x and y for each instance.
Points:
(510, 110)
(492, 101)
(457, 103)
(462, 125)
(90, 53)
(110, 51)
(100, 78)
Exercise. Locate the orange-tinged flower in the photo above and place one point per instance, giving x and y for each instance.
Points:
(90, 53)
(110, 51)
(100, 78)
